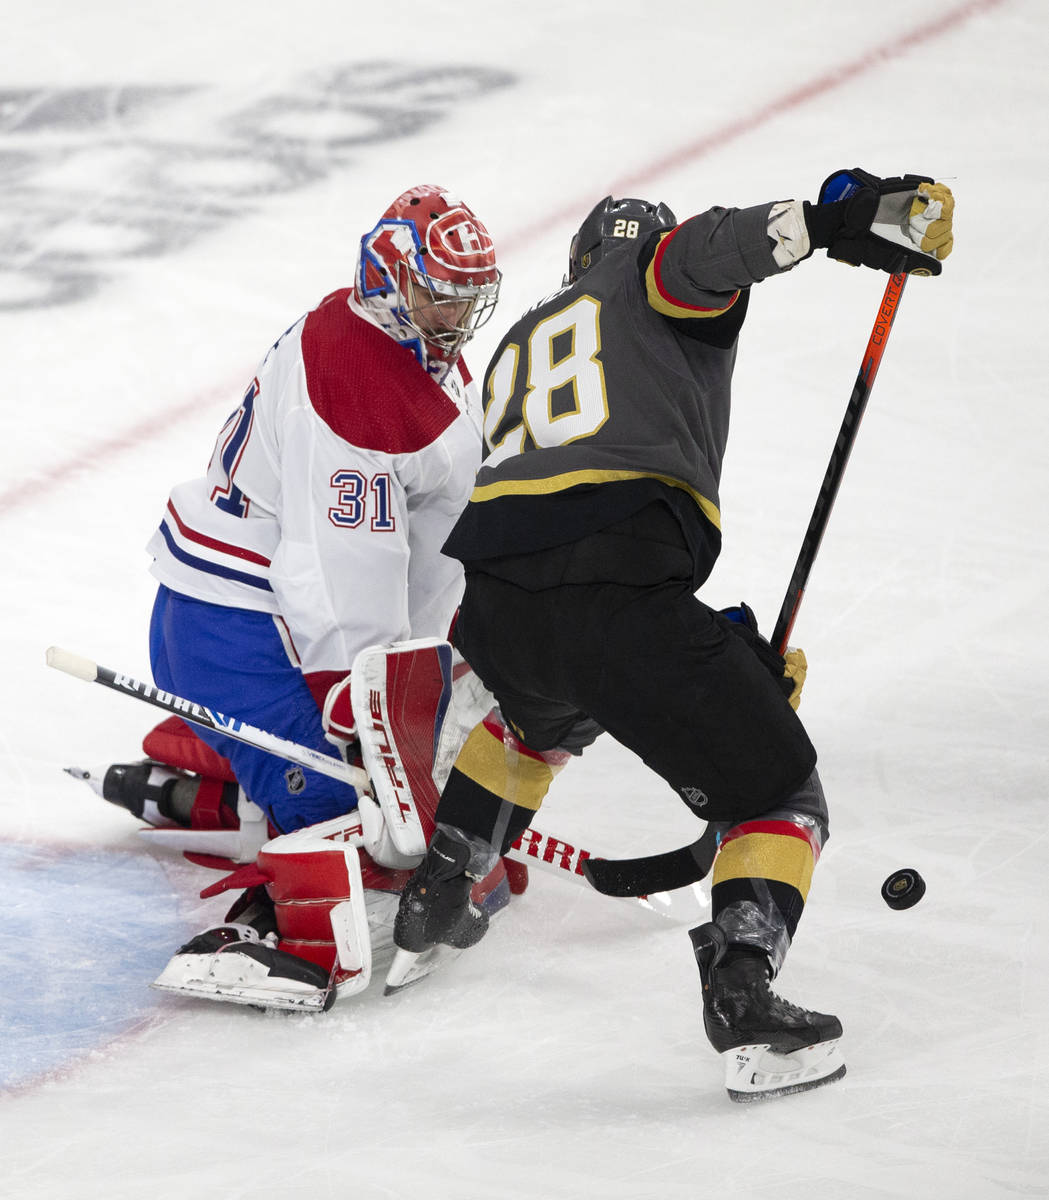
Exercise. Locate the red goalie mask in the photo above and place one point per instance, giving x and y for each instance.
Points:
(427, 274)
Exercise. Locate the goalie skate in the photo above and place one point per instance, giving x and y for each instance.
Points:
(233, 964)
(138, 787)
(144, 789)
(770, 1047)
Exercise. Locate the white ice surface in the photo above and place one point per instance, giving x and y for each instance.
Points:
(564, 1057)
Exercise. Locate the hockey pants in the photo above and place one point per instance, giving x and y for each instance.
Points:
(234, 661)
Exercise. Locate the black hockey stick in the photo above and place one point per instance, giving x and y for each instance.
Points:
(656, 872)
(839, 458)
(679, 868)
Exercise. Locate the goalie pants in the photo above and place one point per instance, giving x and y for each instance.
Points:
(234, 661)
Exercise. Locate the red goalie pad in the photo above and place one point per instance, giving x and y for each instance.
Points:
(174, 743)
(401, 696)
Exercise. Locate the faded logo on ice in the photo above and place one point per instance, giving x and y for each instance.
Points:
(98, 176)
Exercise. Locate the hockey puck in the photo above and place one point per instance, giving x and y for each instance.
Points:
(903, 888)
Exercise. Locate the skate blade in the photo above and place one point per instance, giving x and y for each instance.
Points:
(408, 968)
(759, 1073)
(93, 777)
(216, 977)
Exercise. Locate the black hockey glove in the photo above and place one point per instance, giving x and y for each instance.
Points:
(903, 224)
(788, 670)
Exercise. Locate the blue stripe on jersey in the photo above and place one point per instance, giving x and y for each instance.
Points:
(210, 568)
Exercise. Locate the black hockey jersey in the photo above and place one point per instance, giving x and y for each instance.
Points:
(616, 391)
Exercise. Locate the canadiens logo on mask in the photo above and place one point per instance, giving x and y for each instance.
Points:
(427, 275)
(458, 242)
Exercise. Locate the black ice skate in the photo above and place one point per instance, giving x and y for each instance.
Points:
(770, 1047)
(436, 918)
(435, 905)
(143, 788)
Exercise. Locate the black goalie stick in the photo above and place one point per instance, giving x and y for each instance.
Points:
(690, 864)
(208, 718)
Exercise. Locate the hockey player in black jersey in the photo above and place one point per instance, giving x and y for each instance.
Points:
(594, 520)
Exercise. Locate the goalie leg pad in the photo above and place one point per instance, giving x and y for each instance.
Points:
(197, 815)
(188, 795)
(226, 828)
(319, 903)
(401, 696)
(320, 946)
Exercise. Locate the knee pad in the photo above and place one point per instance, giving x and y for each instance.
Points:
(174, 742)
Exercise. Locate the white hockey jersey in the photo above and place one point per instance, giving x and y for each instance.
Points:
(330, 492)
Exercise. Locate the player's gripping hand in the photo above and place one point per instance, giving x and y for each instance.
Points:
(795, 669)
(789, 670)
(931, 220)
(903, 224)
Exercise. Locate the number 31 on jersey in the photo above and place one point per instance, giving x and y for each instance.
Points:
(353, 490)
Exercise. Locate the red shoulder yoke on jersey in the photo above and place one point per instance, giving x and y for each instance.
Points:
(366, 387)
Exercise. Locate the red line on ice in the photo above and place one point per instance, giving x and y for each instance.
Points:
(137, 435)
